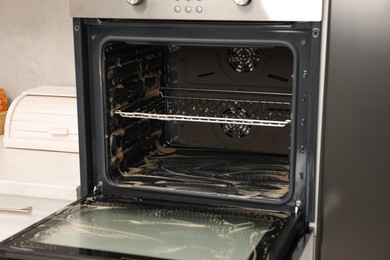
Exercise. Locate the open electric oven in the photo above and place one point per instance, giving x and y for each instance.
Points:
(198, 127)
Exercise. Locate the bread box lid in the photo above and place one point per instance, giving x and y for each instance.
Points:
(43, 118)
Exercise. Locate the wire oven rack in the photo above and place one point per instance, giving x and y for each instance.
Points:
(213, 110)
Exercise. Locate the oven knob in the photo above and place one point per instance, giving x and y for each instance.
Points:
(242, 2)
(134, 2)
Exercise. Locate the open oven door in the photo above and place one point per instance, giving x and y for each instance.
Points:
(130, 228)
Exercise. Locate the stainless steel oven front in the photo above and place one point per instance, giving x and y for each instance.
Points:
(198, 131)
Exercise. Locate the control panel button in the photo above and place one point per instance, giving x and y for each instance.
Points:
(242, 2)
(177, 9)
(199, 9)
(188, 9)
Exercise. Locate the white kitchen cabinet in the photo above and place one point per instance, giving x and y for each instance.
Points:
(12, 222)
(46, 181)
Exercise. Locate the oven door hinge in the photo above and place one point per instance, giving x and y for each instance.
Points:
(297, 209)
(98, 190)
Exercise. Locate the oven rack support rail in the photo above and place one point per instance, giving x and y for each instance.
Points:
(212, 110)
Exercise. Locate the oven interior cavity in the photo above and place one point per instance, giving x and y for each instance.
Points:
(199, 119)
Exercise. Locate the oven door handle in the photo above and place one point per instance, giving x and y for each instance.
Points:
(27, 210)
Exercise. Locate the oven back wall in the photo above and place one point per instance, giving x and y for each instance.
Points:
(356, 174)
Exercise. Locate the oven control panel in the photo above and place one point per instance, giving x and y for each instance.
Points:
(212, 10)
(238, 2)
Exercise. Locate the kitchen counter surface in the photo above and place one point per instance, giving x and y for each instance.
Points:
(40, 174)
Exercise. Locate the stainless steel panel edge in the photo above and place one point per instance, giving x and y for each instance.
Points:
(211, 10)
(355, 168)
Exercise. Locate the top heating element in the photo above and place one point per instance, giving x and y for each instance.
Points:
(211, 10)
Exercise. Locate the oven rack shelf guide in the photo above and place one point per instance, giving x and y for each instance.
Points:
(213, 110)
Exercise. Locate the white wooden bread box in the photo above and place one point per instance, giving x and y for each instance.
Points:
(43, 118)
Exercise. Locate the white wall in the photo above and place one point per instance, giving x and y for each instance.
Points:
(36, 45)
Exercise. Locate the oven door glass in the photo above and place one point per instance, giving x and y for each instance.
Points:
(118, 228)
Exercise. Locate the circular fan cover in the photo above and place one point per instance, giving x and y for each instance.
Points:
(236, 130)
(243, 59)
